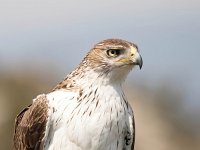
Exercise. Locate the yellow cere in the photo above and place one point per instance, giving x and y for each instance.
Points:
(133, 51)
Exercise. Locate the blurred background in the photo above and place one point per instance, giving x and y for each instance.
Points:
(41, 41)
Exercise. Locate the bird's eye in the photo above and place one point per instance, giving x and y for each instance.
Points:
(113, 52)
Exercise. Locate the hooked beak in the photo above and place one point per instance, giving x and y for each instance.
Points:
(139, 61)
(134, 59)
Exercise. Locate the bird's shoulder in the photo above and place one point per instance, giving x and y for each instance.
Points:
(30, 125)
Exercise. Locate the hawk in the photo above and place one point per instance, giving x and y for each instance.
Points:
(88, 109)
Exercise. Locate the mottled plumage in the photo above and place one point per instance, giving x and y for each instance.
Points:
(88, 109)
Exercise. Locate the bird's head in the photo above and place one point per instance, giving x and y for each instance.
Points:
(114, 57)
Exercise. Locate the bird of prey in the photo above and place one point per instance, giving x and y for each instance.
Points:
(88, 109)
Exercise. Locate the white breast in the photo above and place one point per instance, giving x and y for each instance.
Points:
(98, 122)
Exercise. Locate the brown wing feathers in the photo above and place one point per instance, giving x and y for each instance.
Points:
(30, 125)
(133, 144)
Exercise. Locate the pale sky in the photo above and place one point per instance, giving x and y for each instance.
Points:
(61, 32)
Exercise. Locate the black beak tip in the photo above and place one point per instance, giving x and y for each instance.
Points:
(140, 62)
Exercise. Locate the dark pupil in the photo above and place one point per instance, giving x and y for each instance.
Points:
(117, 52)
(113, 52)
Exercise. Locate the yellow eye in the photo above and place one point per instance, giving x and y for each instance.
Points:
(113, 52)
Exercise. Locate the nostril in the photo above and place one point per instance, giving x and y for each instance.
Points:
(132, 54)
